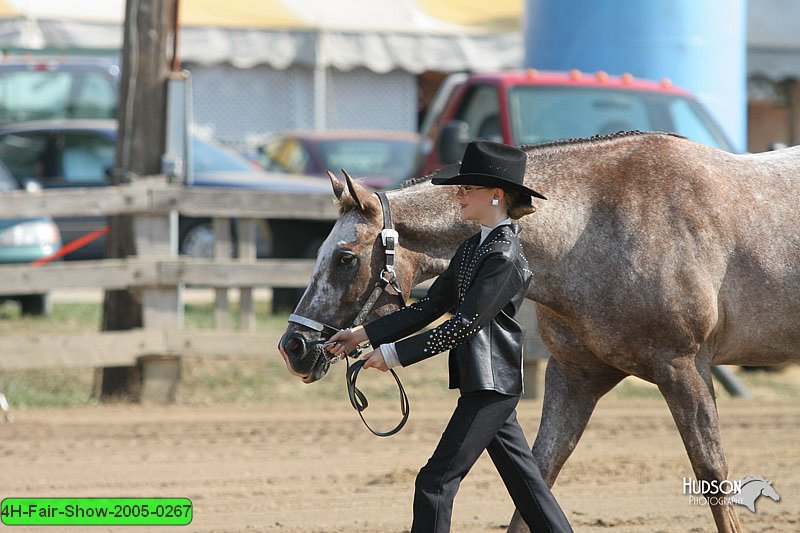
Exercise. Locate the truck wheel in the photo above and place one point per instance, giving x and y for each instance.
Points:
(197, 240)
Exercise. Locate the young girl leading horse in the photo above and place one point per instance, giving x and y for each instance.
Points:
(484, 286)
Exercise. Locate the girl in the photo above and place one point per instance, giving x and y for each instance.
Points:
(483, 285)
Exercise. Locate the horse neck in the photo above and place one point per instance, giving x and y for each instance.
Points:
(429, 225)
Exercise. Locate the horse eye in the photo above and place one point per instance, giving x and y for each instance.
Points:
(347, 258)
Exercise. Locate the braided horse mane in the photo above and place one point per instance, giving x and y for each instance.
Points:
(533, 148)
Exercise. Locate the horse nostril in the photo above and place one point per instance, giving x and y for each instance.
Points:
(294, 346)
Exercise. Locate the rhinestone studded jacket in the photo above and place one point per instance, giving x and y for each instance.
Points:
(483, 286)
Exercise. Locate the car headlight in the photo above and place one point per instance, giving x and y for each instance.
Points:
(36, 233)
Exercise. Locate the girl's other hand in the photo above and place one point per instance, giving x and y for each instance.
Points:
(374, 359)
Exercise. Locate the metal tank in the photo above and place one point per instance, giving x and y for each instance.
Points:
(698, 44)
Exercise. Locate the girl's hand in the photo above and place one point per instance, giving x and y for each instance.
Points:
(345, 341)
(374, 359)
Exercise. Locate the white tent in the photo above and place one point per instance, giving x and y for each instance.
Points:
(381, 35)
(265, 65)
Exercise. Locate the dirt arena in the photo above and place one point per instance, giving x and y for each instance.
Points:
(314, 468)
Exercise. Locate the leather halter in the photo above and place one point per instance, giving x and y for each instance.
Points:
(388, 276)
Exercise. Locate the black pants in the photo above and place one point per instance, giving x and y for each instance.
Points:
(484, 420)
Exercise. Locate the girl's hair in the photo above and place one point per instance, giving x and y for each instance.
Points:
(518, 204)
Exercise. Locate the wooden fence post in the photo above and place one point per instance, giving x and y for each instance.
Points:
(534, 352)
(162, 308)
(222, 250)
(247, 254)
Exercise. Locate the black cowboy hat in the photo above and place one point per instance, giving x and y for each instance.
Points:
(489, 164)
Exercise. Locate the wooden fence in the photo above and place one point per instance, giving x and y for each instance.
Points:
(157, 271)
(160, 275)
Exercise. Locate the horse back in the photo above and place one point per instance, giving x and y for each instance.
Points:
(684, 243)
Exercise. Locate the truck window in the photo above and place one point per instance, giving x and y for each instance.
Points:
(480, 109)
(542, 114)
(687, 122)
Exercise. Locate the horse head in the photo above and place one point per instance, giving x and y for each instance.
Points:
(769, 491)
(751, 488)
(350, 265)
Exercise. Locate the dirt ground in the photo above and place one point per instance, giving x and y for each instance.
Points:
(314, 468)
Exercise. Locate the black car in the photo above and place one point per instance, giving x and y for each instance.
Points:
(79, 153)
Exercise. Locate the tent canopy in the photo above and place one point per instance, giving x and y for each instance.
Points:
(381, 35)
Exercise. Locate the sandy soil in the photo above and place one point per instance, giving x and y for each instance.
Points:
(316, 469)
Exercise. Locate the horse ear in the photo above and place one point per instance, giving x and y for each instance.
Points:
(338, 188)
(351, 186)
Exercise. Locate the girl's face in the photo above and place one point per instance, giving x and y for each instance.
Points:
(475, 202)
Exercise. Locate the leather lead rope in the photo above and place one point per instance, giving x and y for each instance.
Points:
(360, 403)
(358, 400)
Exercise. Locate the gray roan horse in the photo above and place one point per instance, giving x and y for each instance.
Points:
(654, 256)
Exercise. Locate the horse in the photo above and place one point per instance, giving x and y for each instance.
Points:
(654, 256)
(752, 487)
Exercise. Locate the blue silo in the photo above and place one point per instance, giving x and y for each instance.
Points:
(699, 44)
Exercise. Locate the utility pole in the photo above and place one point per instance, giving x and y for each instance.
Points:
(147, 52)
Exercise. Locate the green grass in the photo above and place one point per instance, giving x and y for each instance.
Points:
(203, 380)
(236, 380)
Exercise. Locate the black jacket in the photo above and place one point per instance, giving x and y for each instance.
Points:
(483, 288)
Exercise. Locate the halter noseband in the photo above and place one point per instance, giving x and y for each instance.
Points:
(388, 276)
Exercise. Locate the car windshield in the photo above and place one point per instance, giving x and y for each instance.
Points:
(47, 94)
(370, 158)
(207, 157)
(545, 114)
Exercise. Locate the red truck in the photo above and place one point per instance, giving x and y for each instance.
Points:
(532, 107)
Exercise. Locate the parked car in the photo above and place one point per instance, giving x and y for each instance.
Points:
(381, 159)
(49, 87)
(23, 241)
(79, 153)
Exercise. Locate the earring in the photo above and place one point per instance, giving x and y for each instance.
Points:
(495, 201)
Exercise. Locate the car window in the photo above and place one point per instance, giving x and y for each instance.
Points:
(29, 155)
(285, 155)
(45, 94)
(58, 159)
(370, 158)
(7, 183)
(86, 158)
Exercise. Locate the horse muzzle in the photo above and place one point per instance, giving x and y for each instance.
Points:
(304, 358)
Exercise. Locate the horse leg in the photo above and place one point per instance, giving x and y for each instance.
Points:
(689, 391)
(570, 395)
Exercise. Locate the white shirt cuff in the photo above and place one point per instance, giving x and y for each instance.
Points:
(389, 353)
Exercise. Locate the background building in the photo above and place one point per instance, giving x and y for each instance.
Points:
(269, 65)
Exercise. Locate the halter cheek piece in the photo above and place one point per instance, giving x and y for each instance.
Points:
(389, 240)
